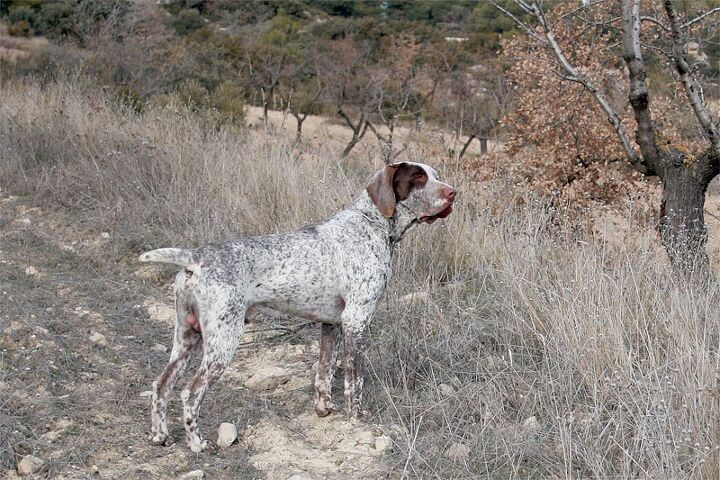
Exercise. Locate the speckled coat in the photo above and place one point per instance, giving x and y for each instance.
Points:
(333, 272)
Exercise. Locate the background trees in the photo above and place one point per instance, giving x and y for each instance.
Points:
(547, 76)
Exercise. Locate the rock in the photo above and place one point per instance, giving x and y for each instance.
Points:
(99, 339)
(160, 348)
(25, 221)
(162, 313)
(29, 464)
(531, 424)
(51, 436)
(382, 443)
(31, 271)
(147, 272)
(193, 474)
(267, 378)
(365, 438)
(95, 469)
(458, 452)
(415, 297)
(146, 394)
(446, 390)
(104, 235)
(227, 434)
(299, 476)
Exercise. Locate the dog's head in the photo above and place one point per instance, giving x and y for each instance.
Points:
(414, 185)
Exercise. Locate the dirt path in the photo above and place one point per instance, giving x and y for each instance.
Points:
(81, 340)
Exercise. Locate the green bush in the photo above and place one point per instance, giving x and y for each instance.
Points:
(22, 12)
(229, 101)
(130, 97)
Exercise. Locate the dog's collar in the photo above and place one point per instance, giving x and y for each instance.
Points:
(395, 238)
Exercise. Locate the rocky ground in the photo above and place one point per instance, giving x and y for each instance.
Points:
(82, 338)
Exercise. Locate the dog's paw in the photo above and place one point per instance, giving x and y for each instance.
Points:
(161, 439)
(323, 409)
(358, 416)
(197, 444)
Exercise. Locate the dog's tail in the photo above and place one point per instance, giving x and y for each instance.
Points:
(177, 256)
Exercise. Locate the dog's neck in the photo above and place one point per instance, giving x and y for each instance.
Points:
(394, 227)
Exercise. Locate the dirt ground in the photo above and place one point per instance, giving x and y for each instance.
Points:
(81, 340)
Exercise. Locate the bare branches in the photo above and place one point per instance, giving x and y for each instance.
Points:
(692, 87)
(525, 28)
(701, 17)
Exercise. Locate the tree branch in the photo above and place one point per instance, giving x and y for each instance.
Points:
(639, 97)
(693, 89)
(700, 17)
(525, 28)
(574, 75)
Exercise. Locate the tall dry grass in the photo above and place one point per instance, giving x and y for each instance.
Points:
(528, 350)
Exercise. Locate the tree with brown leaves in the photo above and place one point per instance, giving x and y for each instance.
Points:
(684, 165)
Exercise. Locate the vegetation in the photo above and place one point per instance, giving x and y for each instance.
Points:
(542, 350)
(533, 342)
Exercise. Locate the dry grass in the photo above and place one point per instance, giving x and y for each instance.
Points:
(547, 353)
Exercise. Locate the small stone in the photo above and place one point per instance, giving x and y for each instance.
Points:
(382, 443)
(365, 438)
(299, 476)
(146, 394)
(267, 378)
(531, 424)
(162, 313)
(41, 330)
(413, 298)
(29, 464)
(95, 469)
(104, 235)
(31, 271)
(51, 436)
(458, 452)
(158, 347)
(98, 338)
(227, 434)
(193, 474)
(446, 390)
(26, 221)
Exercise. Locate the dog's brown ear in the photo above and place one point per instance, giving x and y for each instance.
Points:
(381, 190)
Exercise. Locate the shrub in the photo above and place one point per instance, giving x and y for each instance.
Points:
(20, 29)
(186, 21)
(229, 101)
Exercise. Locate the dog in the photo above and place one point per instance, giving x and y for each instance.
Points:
(333, 272)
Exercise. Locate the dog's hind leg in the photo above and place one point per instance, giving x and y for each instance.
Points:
(221, 334)
(185, 342)
(329, 346)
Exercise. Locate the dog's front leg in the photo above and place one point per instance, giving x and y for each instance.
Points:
(355, 333)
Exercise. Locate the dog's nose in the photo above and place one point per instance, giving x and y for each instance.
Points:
(449, 193)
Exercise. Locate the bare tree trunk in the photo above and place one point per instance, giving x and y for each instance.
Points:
(682, 221)
(465, 147)
(300, 118)
(265, 107)
(358, 130)
(351, 144)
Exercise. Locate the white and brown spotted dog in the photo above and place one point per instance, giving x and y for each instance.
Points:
(332, 272)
